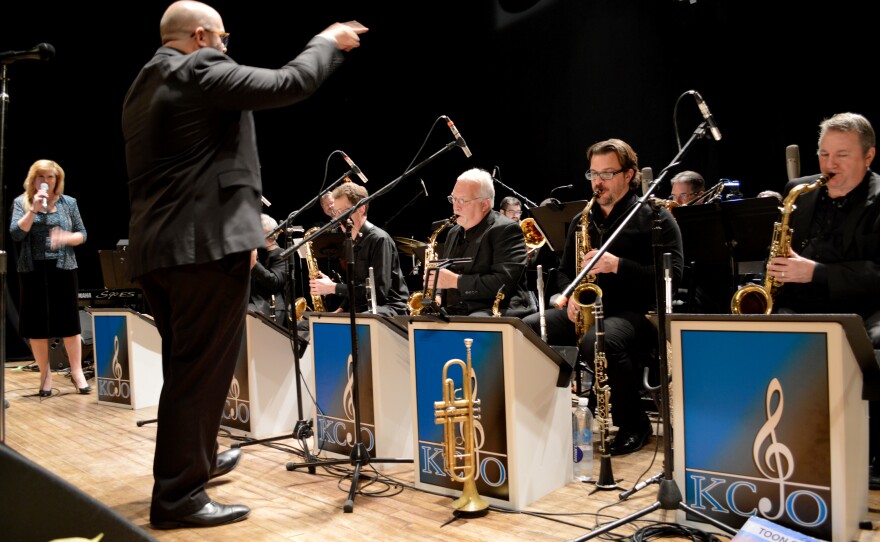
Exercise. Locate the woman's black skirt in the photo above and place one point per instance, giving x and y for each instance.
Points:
(48, 302)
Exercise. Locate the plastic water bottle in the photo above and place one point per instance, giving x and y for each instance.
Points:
(582, 437)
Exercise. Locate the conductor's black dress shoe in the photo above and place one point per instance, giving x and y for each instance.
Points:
(226, 461)
(627, 442)
(211, 515)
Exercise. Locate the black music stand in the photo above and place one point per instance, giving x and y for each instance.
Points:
(554, 219)
(113, 269)
(718, 236)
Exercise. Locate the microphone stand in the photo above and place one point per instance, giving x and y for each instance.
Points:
(669, 495)
(359, 456)
(292, 216)
(4, 104)
(522, 198)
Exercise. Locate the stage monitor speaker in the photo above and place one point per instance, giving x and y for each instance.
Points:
(58, 354)
(35, 504)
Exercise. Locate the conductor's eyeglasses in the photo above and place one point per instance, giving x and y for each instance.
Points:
(605, 175)
(224, 36)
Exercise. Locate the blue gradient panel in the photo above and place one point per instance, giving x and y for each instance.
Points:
(237, 409)
(433, 348)
(111, 359)
(757, 435)
(334, 387)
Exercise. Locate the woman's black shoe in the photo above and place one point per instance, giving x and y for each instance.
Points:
(85, 390)
(45, 393)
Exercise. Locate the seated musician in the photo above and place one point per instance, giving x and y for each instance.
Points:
(511, 207)
(686, 187)
(496, 247)
(626, 276)
(373, 247)
(834, 263)
(269, 276)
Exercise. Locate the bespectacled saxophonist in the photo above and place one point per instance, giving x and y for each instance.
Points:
(373, 247)
(496, 247)
(625, 274)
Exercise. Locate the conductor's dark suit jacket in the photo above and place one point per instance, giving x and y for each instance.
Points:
(499, 258)
(853, 284)
(194, 173)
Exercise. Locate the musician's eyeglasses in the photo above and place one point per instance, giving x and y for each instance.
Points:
(679, 197)
(224, 36)
(460, 201)
(605, 175)
(513, 213)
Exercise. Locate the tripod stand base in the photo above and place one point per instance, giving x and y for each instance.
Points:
(606, 479)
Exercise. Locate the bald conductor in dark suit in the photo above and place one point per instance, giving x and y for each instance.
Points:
(195, 187)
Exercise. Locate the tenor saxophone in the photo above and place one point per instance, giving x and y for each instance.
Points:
(586, 293)
(756, 298)
(461, 412)
(415, 305)
(312, 264)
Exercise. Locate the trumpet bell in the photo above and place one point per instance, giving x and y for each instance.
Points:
(532, 234)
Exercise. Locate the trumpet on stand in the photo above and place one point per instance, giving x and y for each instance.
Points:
(461, 412)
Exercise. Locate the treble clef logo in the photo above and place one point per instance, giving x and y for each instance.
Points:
(116, 367)
(348, 398)
(777, 462)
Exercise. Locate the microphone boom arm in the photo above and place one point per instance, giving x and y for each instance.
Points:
(526, 201)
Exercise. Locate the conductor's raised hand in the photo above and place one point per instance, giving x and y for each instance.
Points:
(345, 35)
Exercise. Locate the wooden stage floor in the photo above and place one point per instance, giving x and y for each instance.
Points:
(100, 450)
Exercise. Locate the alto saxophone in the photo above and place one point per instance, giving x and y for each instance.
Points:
(499, 297)
(314, 272)
(586, 293)
(415, 305)
(758, 299)
(454, 412)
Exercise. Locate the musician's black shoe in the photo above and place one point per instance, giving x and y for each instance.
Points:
(627, 442)
(226, 461)
(211, 515)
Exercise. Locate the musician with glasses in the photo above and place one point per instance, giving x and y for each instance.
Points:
(373, 247)
(686, 187)
(511, 207)
(834, 263)
(496, 247)
(194, 188)
(626, 275)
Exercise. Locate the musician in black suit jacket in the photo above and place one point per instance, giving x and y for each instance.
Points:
(194, 187)
(496, 246)
(834, 264)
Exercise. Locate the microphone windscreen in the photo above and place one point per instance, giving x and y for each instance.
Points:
(793, 161)
(47, 51)
(647, 179)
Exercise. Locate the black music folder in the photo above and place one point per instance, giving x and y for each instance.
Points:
(113, 269)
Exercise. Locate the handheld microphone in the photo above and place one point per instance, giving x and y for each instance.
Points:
(458, 139)
(354, 169)
(561, 188)
(704, 109)
(647, 179)
(42, 51)
(45, 186)
(793, 161)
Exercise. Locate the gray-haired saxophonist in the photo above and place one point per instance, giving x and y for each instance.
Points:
(626, 277)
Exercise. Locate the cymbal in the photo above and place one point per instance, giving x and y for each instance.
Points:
(407, 245)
